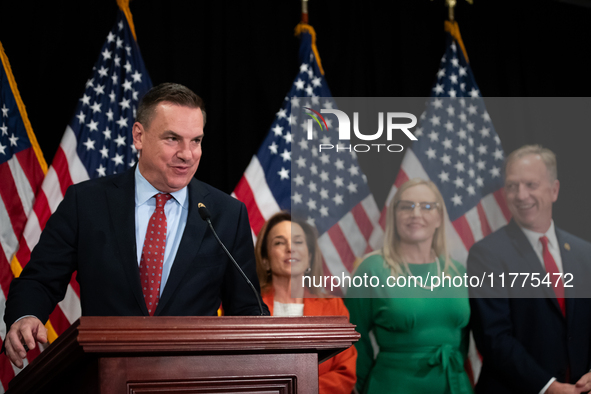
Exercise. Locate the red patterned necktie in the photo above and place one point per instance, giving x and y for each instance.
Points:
(552, 269)
(153, 254)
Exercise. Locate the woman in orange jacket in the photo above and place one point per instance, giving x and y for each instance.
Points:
(286, 250)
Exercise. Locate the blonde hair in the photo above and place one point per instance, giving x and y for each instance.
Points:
(262, 254)
(390, 251)
(547, 156)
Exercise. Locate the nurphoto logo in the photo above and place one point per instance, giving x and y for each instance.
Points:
(344, 128)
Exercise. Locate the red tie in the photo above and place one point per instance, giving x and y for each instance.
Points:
(551, 268)
(153, 254)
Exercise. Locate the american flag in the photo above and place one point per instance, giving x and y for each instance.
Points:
(97, 142)
(327, 189)
(459, 150)
(22, 168)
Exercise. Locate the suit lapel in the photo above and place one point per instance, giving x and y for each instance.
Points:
(521, 243)
(189, 246)
(121, 201)
(532, 261)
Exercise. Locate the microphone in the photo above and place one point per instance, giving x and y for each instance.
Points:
(205, 215)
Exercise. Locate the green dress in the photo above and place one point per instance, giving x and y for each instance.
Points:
(422, 334)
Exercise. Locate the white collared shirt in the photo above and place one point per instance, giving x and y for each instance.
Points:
(553, 246)
(176, 211)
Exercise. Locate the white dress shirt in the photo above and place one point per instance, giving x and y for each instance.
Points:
(553, 247)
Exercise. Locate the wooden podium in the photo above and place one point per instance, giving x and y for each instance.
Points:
(230, 354)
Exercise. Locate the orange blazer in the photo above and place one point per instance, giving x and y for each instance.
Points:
(337, 374)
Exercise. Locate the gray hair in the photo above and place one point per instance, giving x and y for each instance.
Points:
(547, 156)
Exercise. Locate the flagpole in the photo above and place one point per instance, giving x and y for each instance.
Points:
(305, 11)
(452, 27)
(451, 4)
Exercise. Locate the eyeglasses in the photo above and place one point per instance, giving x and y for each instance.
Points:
(409, 206)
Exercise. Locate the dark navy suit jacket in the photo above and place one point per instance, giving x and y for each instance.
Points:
(525, 342)
(93, 232)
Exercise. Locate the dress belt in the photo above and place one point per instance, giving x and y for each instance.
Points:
(446, 355)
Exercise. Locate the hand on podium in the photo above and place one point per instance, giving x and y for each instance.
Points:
(23, 336)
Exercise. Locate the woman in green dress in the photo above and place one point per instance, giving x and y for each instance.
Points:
(420, 330)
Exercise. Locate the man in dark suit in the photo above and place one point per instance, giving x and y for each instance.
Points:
(542, 344)
(136, 239)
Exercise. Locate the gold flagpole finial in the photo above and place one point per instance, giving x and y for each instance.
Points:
(451, 4)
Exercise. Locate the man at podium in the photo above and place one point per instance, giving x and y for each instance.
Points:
(136, 239)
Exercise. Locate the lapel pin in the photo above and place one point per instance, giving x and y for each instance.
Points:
(566, 246)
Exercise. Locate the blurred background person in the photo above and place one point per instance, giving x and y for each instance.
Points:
(286, 250)
(421, 331)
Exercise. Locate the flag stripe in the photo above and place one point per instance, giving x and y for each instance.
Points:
(456, 247)
(473, 220)
(371, 209)
(74, 283)
(70, 305)
(342, 246)
(245, 194)
(493, 212)
(22, 254)
(60, 167)
(255, 175)
(23, 188)
(412, 166)
(42, 211)
(7, 237)
(31, 168)
(331, 256)
(31, 234)
(376, 238)
(5, 273)
(52, 190)
(58, 320)
(6, 371)
(13, 206)
(353, 235)
(363, 223)
(401, 178)
(78, 172)
(485, 227)
(464, 231)
(500, 198)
